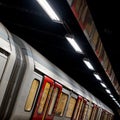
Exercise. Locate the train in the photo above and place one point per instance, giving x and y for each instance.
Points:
(33, 88)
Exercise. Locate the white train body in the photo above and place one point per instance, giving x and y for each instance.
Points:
(31, 87)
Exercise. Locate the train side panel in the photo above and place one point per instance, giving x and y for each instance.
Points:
(19, 112)
(8, 57)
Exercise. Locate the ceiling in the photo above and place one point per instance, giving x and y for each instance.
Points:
(106, 17)
(28, 20)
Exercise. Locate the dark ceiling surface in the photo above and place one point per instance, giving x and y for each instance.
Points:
(106, 16)
(26, 19)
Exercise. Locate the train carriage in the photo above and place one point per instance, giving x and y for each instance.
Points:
(33, 88)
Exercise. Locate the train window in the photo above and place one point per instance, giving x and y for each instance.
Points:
(78, 4)
(71, 106)
(44, 97)
(61, 104)
(89, 24)
(76, 110)
(94, 111)
(89, 112)
(102, 115)
(82, 10)
(98, 46)
(105, 116)
(98, 114)
(3, 60)
(31, 96)
(53, 99)
(110, 117)
(85, 111)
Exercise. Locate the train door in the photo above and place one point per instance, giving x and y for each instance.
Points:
(103, 115)
(111, 117)
(106, 116)
(47, 100)
(53, 101)
(78, 108)
(94, 111)
(89, 111)
(98, 115)
(86, 109)
(83, 109)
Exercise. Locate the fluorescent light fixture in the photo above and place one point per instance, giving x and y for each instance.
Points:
(48, 9)
(97, 76)
(108, 91)
(116, 102)
(103, 85)
(111, 96)
(88, 64)
(74, 44)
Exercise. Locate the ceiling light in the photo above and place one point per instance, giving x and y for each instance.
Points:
(116, 102)
(74, 44)
(48, 9)
(108, 91)
(111, 96)
(97, 76)
(88, 64)
(103, 85)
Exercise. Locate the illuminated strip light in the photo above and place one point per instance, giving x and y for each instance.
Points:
(117, 103)
(111, 96)
(47, 8)
(103, 85)
(114, 99)
(88, 64)
(74, 44)
(97, 77)
(108, 91)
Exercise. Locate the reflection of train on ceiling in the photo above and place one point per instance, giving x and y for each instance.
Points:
(33, 88)
(83, 16)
